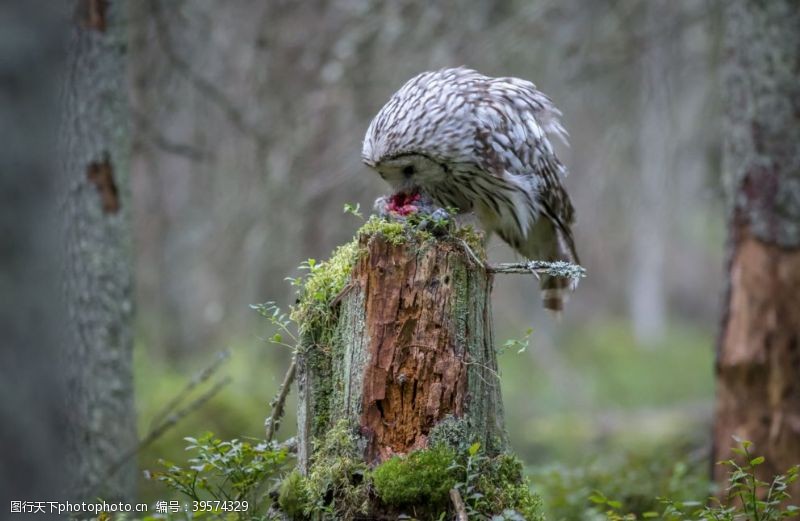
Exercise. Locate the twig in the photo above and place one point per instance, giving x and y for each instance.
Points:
(150, 133)
(474, 257)
(196, 380)
(168, 423)
(554, 269)
(458, 504)
(274, 420)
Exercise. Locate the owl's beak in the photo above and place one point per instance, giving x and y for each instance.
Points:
(369, 162)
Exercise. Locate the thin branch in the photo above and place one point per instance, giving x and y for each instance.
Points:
(554, 269)
(196, 380)
(151, 134)
(458, 504)
(273, 422)
(159, 431)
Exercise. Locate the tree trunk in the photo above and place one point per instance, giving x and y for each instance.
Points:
(758, 358)
(412, 347)
(97, 272)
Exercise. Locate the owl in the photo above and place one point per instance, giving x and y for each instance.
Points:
(480, 144)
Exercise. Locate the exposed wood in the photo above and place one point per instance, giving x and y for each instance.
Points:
(758, 368)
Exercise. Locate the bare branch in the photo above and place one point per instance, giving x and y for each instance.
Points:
(203, 85)
(273, 422)
(198, 379)
(151, 134)
(159, 431)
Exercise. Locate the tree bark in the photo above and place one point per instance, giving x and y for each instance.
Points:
(412, 350)
(758, 358)
(97, 353)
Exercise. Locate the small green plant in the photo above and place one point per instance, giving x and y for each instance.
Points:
(746, 498)
(225, 472)
(353, 209)
(494, 488)
(520, 345)
(285, 335)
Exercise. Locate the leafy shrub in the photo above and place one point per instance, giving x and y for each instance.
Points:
(226, 471)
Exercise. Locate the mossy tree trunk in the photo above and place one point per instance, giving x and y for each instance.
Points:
(408, 355)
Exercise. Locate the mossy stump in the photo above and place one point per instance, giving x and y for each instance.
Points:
(407, 353)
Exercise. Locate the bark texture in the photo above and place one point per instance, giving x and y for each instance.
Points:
(412, 353)
(97, 270)
(758, 359)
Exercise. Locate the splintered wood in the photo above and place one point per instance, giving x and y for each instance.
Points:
(416, 369)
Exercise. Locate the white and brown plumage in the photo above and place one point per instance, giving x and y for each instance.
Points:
(480, 144)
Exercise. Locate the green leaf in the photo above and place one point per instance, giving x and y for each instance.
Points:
(757, 461)
(474, 448)
(598, 498)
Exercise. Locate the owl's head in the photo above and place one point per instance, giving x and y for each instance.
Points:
(408, 172)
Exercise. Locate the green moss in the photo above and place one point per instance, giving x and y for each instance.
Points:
(423, 477)
(293, 496)
(324, 282)
(504, 488)
(337, 483)
(394, 231)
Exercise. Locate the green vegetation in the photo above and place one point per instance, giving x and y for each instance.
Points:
(634, 478)
(338, 485)
(604, 395)
(234, 473)
(746, 497)
(422, 477)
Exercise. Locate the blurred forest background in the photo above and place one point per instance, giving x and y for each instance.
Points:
(247, 126)
(246, 121)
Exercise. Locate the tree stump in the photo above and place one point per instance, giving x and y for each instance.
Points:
(408, 352)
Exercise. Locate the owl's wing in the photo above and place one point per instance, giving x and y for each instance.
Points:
(514, 121)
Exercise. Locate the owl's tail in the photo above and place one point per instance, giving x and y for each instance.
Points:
(552, 241)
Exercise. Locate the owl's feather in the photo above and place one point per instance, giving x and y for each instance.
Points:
(481, 144)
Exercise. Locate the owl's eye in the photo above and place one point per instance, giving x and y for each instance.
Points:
(408, 171)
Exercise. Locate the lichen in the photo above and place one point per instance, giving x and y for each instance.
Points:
(450, 432)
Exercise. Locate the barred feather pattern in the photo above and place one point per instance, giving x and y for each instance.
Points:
(481, 144)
